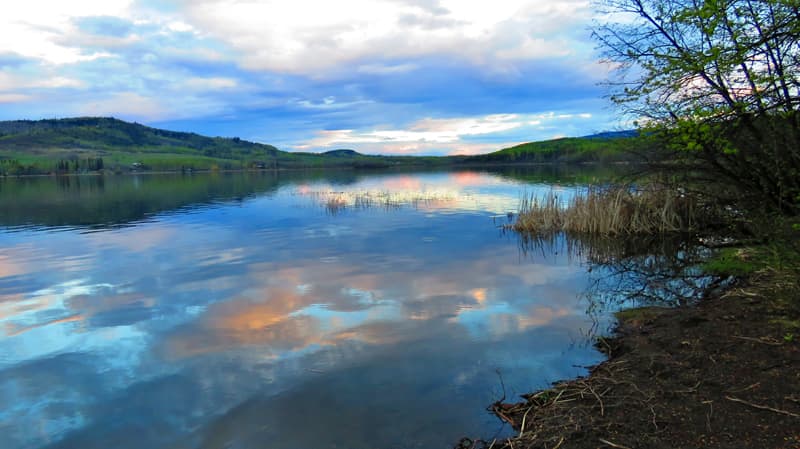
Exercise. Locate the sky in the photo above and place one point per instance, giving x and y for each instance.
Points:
(378, 76)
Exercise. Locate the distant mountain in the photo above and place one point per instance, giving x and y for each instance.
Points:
(342, 153)
(613, 134)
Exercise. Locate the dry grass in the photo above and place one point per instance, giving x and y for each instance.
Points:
(610, 211)
(336, 202)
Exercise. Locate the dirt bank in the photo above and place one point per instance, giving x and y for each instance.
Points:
(724, 373)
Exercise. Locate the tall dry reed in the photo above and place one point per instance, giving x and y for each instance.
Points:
(610, 211)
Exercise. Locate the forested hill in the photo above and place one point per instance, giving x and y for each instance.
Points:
(98, 143)
(604, 147)
(102, 133)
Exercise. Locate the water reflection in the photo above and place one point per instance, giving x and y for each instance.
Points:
(661, 270)
(252, 317)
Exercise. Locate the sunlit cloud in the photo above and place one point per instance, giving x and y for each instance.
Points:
(14, 98)
(426, 130)
(443, 136)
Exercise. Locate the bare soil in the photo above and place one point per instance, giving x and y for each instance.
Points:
(724, 373)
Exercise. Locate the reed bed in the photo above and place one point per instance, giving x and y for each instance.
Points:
(335, 202)
(620, 210)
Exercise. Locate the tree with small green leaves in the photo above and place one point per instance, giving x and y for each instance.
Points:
(719, 81)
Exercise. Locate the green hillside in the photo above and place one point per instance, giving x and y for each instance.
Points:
(91, 144)
(607, 147)
(97, 143)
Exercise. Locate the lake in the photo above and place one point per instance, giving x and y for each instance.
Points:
(282, 310)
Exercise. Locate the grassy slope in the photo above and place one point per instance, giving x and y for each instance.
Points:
(44, 146)
(613, 148)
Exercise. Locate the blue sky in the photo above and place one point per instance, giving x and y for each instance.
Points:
(378, 76)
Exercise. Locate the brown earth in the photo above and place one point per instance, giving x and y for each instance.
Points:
(724, 373)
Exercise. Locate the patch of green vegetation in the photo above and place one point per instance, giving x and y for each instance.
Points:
(781, 254)
(638, 314)
(734, 262)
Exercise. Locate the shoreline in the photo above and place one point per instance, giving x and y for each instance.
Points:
(402, 167)
(723, 373)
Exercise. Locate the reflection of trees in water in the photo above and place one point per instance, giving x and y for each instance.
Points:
(631, 271)
(96, 201)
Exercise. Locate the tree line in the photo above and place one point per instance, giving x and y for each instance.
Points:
(13, 167)
(80, 165)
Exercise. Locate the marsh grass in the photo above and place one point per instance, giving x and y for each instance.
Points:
(618, 210)
(336, 202)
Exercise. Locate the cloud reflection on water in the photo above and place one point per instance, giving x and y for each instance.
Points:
(228, 319)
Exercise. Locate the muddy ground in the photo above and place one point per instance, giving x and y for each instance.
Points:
(724, 373)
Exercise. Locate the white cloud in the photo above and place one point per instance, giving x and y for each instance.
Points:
(58, 81)
(550, 116)
(9, 82)
(181, 27)
(127, 104)
(34, 28)
(309, 37)
(438, 131)
(328, 103)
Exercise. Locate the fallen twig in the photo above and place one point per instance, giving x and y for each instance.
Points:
(749, 387)
(618, 446)
(522, 426)
(602, 407)
(759, 340)
(762, 407)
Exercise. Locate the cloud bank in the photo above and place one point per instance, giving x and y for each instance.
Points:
(389, 76)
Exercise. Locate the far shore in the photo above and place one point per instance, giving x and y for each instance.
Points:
(442, 167)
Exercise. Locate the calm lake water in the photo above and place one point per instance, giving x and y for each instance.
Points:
(289, 310)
